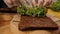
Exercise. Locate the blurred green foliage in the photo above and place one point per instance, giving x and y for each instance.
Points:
(32, 11)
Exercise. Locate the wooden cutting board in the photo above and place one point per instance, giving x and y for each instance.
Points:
(5, 30)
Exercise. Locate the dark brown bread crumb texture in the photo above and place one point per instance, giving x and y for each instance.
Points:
(36, 23)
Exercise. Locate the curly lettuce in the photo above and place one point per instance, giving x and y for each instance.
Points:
(55, 5)
(32, 11)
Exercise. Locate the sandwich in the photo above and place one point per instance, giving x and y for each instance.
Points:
(34, 18)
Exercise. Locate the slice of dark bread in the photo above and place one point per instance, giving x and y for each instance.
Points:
(36, 23)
